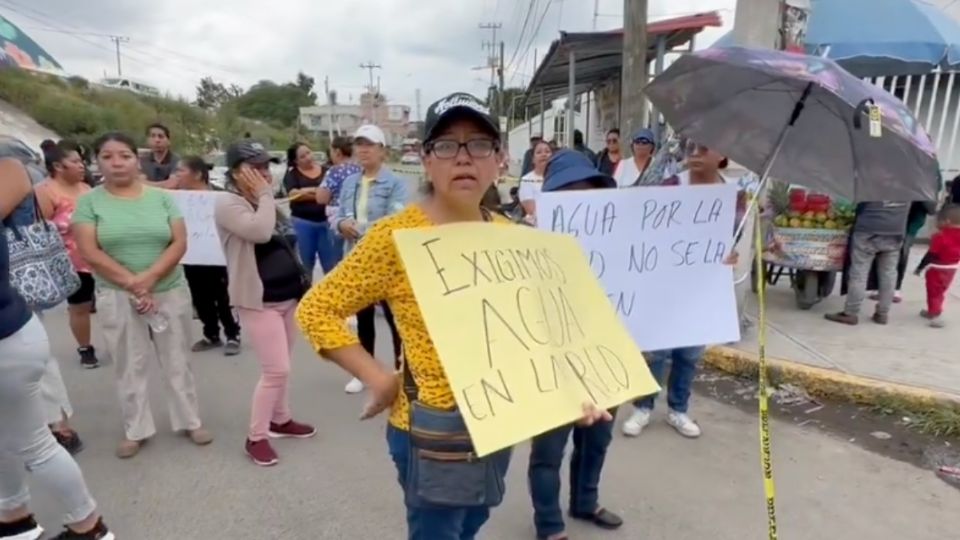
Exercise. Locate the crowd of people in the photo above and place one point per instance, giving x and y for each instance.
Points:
(125, 239)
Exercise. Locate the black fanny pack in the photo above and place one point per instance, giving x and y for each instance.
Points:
(443, 468)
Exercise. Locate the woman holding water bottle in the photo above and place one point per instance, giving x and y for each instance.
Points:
(133, 237)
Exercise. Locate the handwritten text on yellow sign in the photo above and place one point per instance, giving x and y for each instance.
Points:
(525, 333)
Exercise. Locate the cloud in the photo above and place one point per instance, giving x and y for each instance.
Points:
(431, 45)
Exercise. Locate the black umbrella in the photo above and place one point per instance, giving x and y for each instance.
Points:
(799, 118)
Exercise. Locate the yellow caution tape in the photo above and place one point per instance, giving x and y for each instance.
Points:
(766, 458)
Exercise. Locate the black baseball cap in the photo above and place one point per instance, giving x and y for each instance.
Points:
(248, 151)
(458, 105)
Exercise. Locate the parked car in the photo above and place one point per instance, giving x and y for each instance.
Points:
(410, 158)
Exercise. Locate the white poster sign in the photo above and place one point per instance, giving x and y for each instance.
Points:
(203, 242)
(659, 252)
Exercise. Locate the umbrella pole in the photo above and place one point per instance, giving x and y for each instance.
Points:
(765, 174)
(766, 457)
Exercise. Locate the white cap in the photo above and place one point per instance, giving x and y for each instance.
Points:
(371, 133)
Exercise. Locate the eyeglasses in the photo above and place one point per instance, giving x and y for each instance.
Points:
(476, 148)
(613, 141)
(643, 140)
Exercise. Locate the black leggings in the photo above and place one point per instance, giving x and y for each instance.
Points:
(208, 289)
(367, 330)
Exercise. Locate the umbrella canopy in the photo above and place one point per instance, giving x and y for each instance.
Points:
(739, 101)
(881, 37)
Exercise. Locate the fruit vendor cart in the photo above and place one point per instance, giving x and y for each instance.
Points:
(806, 238)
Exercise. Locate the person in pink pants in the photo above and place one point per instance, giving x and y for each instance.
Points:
(266, 281)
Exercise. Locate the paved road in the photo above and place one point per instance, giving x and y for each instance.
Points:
(341, 485)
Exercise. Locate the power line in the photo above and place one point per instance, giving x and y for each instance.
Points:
(534, 36)
(523, 30)
(52, 26)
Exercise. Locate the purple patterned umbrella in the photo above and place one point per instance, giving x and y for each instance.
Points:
(799, 118)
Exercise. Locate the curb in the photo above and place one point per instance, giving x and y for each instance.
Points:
(828, 383)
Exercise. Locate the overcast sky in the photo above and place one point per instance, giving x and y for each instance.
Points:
(425, 44)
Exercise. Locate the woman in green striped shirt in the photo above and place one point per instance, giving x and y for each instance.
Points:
(133, 237)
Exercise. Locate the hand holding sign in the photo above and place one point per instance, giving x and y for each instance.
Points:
(525, 333)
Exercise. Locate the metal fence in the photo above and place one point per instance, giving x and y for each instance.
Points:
(934, 99)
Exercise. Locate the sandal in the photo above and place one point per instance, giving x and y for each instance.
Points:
(602, 518)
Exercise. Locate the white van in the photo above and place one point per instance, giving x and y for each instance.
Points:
(131, 85)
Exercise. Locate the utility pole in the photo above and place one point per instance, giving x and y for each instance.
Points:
(492, 54)
(417, 99)
(500, 74)
(326, 90)
(596, 13)
(493, 27)
(117, 40)
(370, 66)
(633, 76)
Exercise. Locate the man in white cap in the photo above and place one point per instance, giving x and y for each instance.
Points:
(375, 193)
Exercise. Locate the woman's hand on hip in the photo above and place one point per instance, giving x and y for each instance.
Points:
(382, 389)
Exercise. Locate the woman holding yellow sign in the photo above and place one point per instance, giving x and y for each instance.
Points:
(448, 489)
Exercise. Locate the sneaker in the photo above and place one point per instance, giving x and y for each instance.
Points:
(634, 425)
(842, 318)
(291, 429)
(232, 348)
(200, 437)
(206, 344)
(70, 441)
(127, 448)
(22, 529)
(355, 386)
(937, 322)
(88, 357)
(261, 453)
(683, 424)
(98, 532)
(880, 318)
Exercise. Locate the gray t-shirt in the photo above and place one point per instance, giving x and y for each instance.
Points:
(158, 171)
(883, 218)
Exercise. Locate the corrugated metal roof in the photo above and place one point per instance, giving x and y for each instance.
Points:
(599, 55)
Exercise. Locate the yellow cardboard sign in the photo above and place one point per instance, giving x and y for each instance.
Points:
(525, 333)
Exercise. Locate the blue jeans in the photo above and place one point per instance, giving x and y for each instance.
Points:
(314, 240)
(337, 242)
(434, 523)
(682, 371)
(589, 451)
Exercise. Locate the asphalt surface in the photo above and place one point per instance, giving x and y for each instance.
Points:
(341, 484)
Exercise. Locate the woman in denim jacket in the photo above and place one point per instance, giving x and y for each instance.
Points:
(365, 198)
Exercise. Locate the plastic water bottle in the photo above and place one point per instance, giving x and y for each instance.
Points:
(157, 321)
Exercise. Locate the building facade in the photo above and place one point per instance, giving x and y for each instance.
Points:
(373, 108)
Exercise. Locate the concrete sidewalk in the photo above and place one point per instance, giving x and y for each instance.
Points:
(905, 352)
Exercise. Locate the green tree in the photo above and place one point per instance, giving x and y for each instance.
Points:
(275, 104)
(306, 83)
(513, 104)
(211, 94)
